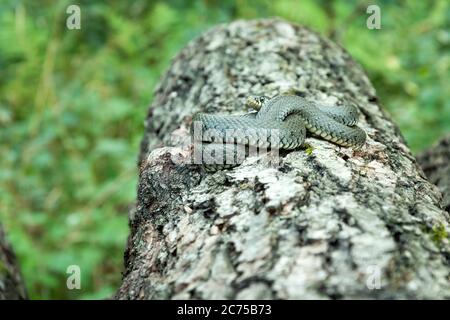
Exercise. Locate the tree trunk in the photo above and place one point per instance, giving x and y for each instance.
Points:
(435, 163)
(328, 222)
(11, 284)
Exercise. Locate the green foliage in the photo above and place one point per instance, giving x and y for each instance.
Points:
(309, 149)
(72, 105)
(439, 233)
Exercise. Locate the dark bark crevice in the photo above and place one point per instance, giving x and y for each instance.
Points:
(11, 283)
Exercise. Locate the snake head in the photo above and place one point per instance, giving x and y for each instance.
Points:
(256, 102)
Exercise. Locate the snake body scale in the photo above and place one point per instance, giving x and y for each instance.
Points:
(279, 122)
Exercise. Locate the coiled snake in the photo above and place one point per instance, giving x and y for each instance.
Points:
(280, 122)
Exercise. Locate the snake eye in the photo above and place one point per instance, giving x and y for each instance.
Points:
(262, 100)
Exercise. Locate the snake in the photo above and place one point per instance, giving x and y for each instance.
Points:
(223, 141)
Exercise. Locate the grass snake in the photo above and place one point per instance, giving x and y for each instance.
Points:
(279, 122)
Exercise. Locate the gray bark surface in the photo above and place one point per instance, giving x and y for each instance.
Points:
(435, 163)
(11, 284)
(328, 222)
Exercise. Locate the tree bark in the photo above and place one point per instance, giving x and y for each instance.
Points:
(327, 222)
(435, 163)
(11, 284)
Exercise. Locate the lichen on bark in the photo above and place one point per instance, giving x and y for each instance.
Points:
(328, 223)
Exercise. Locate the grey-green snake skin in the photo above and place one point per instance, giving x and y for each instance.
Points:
(286, 116)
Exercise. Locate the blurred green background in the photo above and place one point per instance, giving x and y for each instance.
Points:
(72, 106)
